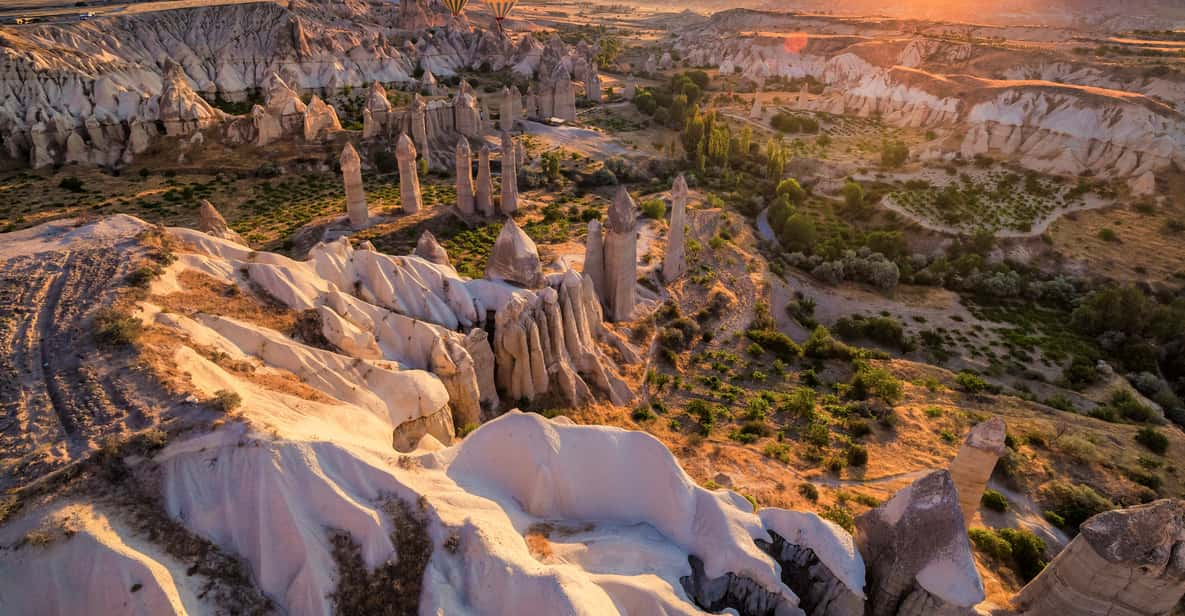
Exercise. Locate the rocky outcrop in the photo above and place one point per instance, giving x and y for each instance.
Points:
(351, 165)
(135, 70)
(182, 111)
(1043, 121)
(973, 465)
(484, 200)
(211, 222)
(1129, 561)
(916, 552)
(320, 121)
(409, 177)
(819, 561)
(621, 257)
(515, 258)
(674, 262)
(737, 592)
(592, 85)
(509, 176)
(464, 171)
(429, 249)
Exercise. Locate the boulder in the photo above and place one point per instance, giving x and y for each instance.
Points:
(212, 223)
(515, 258)
(917, 556)
(429, 249)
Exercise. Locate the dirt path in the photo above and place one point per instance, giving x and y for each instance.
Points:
(60, 395)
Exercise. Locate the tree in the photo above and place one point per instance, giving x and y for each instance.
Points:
(894, 153)
(645, 102)
(853, 195)
(678, 111)
(798, 233)
(792, 190)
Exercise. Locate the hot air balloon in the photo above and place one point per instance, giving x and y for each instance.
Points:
(455, 6)
(501, 9)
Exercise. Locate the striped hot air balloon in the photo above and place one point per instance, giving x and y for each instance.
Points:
(455, 6)
(501, 8)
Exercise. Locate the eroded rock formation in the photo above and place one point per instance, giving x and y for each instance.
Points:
(973, 465)
(515, 258)
(409, 176)
(464, 171)
(351, 165)
(485, 184)
(621, 257)
(1129, 561)
(211, 222)
(509, 176)
(674, 263)
(916, 552)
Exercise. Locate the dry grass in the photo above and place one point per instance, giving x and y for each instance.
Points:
(1145, 250)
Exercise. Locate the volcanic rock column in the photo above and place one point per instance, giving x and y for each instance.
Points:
(506, 113)
(592, 85)
(1127, 561)
(409, 181)
(355, 196)
(465, 201)
(972, 466)
(485, 183)
(594, 257)
(674, 263)
(509, 176)
(621, 257)
(419, 127)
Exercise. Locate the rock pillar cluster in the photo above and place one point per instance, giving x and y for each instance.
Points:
(972, 466)
(351, 166)
(674, 263)
(409, 179)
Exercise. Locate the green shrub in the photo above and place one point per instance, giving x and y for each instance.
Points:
(971, 383)
(71, 184)
(775, 342)
(777, 451)
(226, 400)
(841, 516)
(654, 209)
(857, 455)
(114, 328)
(817, 434)
(821, 345)
(994, 500)
(859, 428)
(988, 542)
(800, 402)
(874, 382)
(809, 491)
(1075, 503)
(1153, 439)
(1053, 518)
(642, 413)
(1028, 552)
